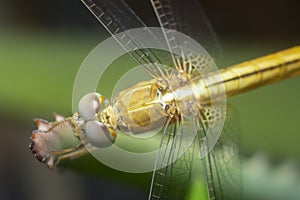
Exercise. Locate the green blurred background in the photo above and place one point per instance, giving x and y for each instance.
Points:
(42, 44)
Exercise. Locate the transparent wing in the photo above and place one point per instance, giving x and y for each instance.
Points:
(223, 165)
(227, 160)
(189, 18)
(116, 16)
(173, 166)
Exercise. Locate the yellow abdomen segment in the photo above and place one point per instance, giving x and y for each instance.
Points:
(261, 71)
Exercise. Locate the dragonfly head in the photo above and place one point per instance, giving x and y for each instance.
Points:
(98, 129)
(63, 138)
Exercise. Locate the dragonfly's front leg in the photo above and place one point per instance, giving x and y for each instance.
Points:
(69, 154)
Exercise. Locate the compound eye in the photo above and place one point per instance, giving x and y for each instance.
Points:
(98, 134)
(89, 105)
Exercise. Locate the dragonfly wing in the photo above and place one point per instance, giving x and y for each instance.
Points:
(172, 170)
(116, 16)
(189, 18)
(226, 157)
(223, 165)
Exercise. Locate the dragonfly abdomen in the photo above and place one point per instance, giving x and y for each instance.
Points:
(261, 71)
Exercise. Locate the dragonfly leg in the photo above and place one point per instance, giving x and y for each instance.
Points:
(72, 155)
(64, 154)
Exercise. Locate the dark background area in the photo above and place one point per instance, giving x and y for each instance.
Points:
(233, 18)
(43, 44)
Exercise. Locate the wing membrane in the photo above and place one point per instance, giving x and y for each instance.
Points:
(186, 17)
(222, 165)
(116, 16)
(174, 164)
(226, 158)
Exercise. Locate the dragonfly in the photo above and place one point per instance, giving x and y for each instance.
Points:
(185, 101)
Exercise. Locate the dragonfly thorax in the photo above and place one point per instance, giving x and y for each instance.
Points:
(140, 108)
(145, 106)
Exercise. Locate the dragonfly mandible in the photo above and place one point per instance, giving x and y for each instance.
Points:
(179, 101)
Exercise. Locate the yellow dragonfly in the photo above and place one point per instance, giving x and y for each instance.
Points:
(185, 101)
